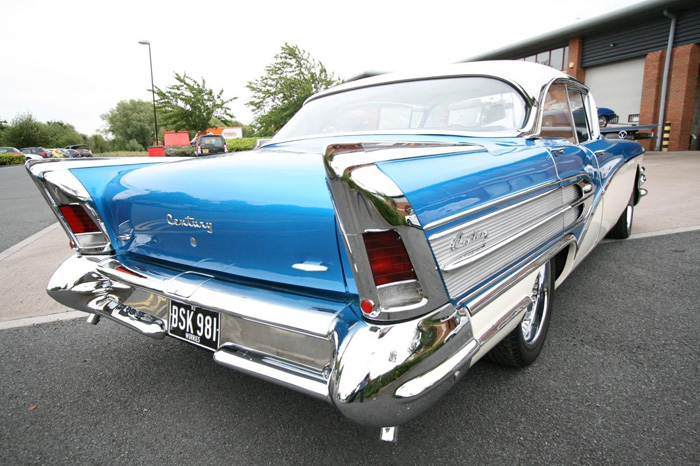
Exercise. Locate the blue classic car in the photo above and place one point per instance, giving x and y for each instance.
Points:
(394, 232)
(605, 116)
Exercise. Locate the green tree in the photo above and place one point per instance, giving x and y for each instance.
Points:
(26, 131)
(62, 134)
(98, 144)
(3, 127)
(130, 121)
(292, 78)
(190, 106)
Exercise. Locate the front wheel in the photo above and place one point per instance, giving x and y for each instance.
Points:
(602, 121)
(522, 346)
(623, 227)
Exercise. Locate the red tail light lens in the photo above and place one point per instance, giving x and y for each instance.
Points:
(78, 219)
(388, 257)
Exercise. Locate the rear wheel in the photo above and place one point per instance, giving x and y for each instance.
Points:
(522, 346)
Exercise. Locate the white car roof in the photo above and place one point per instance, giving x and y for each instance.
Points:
(529, 77)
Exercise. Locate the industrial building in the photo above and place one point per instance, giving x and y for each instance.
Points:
(623, 57)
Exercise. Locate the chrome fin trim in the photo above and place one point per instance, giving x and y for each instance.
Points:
(366, 200)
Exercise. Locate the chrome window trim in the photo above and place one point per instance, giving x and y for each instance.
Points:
(348, 136)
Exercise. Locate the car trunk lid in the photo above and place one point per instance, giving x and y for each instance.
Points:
(252, 216)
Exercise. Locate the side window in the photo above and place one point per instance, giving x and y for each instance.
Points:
(556, 116)
(578, 109)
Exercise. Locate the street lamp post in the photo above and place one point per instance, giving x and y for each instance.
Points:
(153, 88)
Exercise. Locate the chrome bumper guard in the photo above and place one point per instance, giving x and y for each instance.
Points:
(375, 374)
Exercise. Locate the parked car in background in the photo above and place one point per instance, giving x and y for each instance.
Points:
(55, 153)
(15, 151)
(606, 116)
(83, 150)
(36, 150)
(10, 150)
(70, 153)
(397, 230)
(210, 144)
(32, 157)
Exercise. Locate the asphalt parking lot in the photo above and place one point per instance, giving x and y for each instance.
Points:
(617, 382)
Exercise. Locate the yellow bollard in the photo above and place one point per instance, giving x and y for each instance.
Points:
(664, 141)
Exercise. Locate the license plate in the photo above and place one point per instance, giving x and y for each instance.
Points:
(194, 325)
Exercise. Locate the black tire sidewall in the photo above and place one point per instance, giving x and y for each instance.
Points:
(529, 353)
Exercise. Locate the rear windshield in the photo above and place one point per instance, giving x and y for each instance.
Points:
(469, 104)
(208, 141)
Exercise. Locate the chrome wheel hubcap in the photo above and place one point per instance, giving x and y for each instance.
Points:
(536, 313)
(628, 216)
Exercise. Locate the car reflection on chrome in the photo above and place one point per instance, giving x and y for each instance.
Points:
(397, 230)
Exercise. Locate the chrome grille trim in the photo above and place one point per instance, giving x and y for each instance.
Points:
(472, 252)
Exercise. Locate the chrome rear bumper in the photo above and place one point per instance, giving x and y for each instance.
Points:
(379, 375)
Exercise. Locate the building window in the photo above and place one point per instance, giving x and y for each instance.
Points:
(556, 58)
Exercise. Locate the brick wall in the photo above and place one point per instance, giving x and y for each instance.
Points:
(575, 53)
(651, 93)
(680, 94)
(682, 86)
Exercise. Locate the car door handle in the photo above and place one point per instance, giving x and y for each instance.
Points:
(557, 151)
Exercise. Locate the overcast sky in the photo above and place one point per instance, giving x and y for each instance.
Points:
(72, 60)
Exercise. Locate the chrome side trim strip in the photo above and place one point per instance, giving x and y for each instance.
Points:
(471, 259)
(503, 200)
(487, 294)
(488, 205)
(544, 207)
(504, 320)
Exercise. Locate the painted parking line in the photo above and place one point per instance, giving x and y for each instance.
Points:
(23, 244)
(673, 231)
(29, 321)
